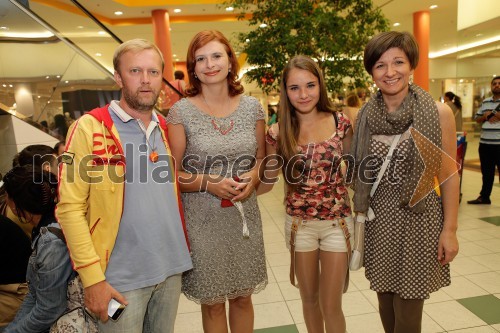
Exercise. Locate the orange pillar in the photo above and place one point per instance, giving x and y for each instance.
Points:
(421, 31)
(161, 29)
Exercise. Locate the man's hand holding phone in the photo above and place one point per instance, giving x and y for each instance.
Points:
(98, 298)
(115, 309)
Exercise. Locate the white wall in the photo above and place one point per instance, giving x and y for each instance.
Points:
(471, 13)
(15, 135)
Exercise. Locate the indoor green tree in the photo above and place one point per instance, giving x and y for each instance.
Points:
(333, 32)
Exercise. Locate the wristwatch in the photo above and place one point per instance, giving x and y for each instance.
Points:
(492, 114)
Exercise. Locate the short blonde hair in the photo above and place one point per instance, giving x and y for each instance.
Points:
(135, 45)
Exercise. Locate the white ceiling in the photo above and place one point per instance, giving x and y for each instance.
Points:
(61, 14)
(443, 20)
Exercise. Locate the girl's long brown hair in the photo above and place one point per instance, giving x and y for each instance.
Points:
(289, 127)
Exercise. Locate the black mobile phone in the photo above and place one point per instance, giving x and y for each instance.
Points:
(115, 309)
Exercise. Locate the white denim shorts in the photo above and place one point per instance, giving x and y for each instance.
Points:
(326, 235)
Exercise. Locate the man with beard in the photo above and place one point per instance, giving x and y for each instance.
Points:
(119, 204)
(489, 143)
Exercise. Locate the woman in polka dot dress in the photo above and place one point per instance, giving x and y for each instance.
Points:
(411, 239)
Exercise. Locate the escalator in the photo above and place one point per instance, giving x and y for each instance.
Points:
(53, 62)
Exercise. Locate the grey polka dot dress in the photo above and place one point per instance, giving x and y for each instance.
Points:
(400, 245)
(225, 264)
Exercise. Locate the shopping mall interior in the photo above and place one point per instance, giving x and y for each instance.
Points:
(57, 60)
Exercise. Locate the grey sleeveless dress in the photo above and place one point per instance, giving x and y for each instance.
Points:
(400, 245)
(225, 264)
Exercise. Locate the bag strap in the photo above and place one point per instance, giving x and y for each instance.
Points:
(57, 232)
(293, 233)
(347, 236)
(385, 164)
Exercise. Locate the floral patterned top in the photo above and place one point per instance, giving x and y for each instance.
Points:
(321, 193)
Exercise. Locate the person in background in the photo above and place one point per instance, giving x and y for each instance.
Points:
(170, 96)
(32, 197)
(353, 104)
(312, 136)
(272, 115)
(488, 116)
(361, 92)
(60, 127)
(453, 101)
(224, 131)
(179, 77)
(41, 157)
(45, 126)
(411, 237)
(59, 148)
(15, 250)
(120, 211)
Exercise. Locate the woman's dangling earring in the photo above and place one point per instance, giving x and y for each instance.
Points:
(195, 76)
(411, 79)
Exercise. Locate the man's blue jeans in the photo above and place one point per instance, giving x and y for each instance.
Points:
(149, 310)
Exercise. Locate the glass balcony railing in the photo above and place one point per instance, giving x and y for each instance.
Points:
(56, 59)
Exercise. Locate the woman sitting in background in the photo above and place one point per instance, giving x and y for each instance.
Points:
(32, 197)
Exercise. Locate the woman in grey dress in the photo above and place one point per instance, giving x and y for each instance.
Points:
(217, 140)
(412, 237)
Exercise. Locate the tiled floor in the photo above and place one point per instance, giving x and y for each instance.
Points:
(471, 304)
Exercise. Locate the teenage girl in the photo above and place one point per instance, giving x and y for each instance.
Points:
(310, 138)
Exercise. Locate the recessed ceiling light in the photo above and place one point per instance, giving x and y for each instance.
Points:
(177, 10)
(98, 54)
(101, 32)
(174, 55)
(433, 7)
(10, 85)
(47, 77)
(479, 35)
(66, 81)
(397, 24)
(4, 85)
(39, 96)
(118, 13)
(263, 25)
(4, 28)
(80, 27)
(229, 9)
